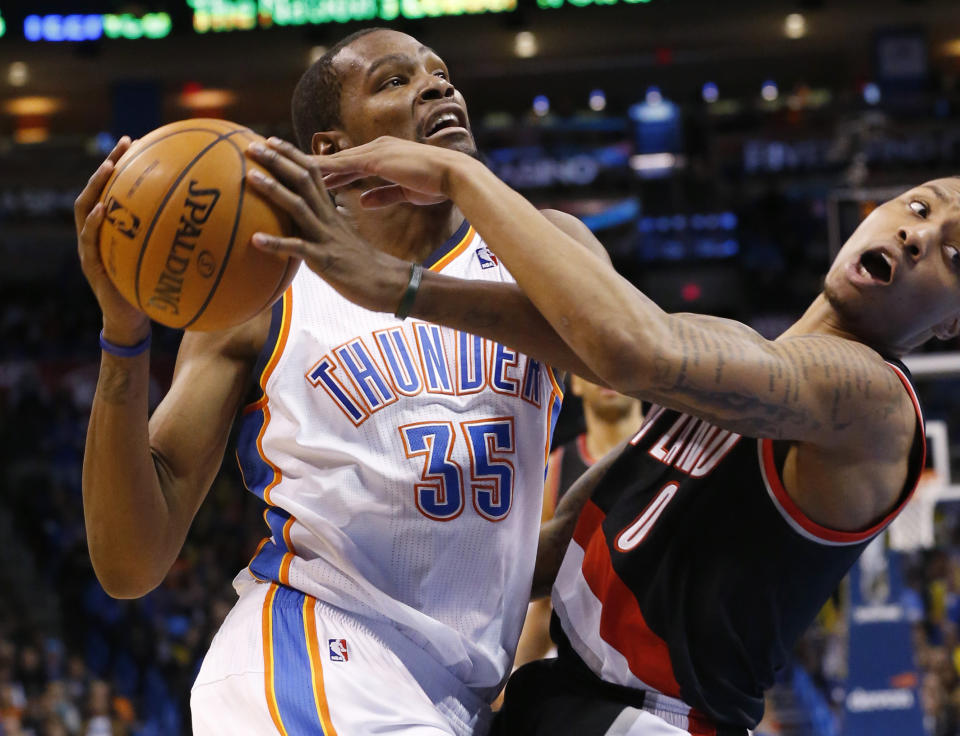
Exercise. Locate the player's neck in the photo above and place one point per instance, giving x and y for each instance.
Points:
(822, 318)
(409, 232)
(605, 434)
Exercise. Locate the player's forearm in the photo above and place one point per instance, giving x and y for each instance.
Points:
(599, 315)
(499, 312)
(555, 534)
(126, 513)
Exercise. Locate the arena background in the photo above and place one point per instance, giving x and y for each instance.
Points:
(720, 150)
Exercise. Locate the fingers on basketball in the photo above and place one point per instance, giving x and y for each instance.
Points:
(177, 225)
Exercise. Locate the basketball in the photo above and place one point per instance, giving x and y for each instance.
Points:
(178, 220)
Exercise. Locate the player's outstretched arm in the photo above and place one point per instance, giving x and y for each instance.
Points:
(851, 421)
(809, 388)
(142, 484)
(376, 281)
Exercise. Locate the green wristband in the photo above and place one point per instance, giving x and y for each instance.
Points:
(406, 301)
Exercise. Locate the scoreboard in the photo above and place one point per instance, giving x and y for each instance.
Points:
(71, 21)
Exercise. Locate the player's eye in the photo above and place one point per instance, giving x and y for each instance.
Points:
(442, 74)
(920, 208)
(392, 82)
(953, 253)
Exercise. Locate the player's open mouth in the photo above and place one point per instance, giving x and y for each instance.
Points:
(876, 265)
(448, 119)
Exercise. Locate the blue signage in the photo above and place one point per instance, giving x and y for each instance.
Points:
(90, 27)
(882, 697)
(74, 27)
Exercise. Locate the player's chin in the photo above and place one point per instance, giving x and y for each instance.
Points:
(462, 142)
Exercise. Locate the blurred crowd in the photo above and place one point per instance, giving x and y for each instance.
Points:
(931, 603)
(74, 661)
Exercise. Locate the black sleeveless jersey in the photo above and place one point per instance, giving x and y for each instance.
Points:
(691, 571)
(567, 463)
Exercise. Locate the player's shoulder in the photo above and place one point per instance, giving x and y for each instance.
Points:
(873, 403)
(575, 228)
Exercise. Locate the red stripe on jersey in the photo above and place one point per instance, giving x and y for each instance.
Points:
(808, 524)
(622, 624)
(591, 517)
(787, 504)
(916, 407)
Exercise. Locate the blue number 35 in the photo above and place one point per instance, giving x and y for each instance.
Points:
(440, 494)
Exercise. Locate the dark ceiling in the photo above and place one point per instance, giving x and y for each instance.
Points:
(677, 44)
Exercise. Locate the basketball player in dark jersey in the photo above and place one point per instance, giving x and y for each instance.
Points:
(609, 418)
(710, 541)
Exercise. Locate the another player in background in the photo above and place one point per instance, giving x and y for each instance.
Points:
(764, 468)
(609, 418)
(401, 462)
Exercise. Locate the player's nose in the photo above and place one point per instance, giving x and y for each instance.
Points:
(435, 88)
(916, 240)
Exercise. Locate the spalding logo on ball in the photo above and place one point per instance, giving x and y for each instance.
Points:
(178, 219)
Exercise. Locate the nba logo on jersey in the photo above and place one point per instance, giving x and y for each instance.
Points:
(487, 258)
(338, 650)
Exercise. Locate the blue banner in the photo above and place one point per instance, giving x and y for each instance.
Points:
(883, 697)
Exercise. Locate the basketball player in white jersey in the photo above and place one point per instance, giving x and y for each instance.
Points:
(401, 462)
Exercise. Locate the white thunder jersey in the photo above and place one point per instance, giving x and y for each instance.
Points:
(403, 464)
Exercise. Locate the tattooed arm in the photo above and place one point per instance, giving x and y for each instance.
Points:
(805, 387)
(834, 398)
(717, 369)
(810, 388)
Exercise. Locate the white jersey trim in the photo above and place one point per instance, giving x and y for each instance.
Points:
(580, 612)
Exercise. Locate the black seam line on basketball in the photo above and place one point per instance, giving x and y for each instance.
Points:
(104, 196)
(151, 145)
(236, 224)
(163, 202)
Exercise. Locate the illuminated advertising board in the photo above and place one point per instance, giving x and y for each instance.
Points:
(244, 15)
(92, 26)
(3, 26)
(549, 4)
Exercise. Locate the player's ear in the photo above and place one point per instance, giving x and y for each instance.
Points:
(948, 329)
(327, 142)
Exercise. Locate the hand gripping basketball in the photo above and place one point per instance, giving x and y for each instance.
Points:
(123, 324)
(177, 217)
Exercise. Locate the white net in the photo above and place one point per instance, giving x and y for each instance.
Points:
(915, 528)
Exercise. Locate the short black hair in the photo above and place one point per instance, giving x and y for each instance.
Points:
(316, 98)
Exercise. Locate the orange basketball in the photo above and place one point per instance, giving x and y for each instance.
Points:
(176, 231)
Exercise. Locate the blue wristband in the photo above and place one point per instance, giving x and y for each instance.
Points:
(124, 351)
